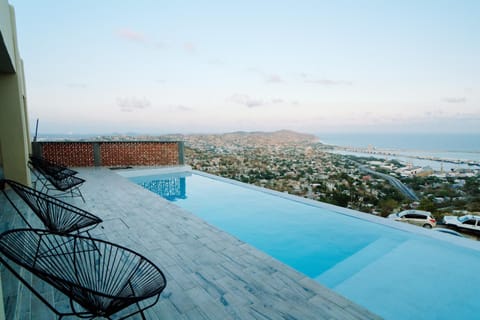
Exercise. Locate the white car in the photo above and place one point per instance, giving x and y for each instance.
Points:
(468, 222)
(417, 217)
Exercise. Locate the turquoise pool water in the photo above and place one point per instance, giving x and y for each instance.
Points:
(392, 272)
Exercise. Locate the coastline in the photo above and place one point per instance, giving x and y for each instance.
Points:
(439, 151)
(462, 143)
(437, 164)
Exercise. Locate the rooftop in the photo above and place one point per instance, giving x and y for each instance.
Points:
(210, 274)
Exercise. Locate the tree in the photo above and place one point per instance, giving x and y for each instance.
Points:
(387, 206)
(472, 186)
(427, 205)
(474, 205)
(340, 199)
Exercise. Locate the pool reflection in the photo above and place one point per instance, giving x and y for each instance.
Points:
(170, 189)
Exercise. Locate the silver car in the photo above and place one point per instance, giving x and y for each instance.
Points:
(416, 217)
(468, 222)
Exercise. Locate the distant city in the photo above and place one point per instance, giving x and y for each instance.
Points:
(371, 180)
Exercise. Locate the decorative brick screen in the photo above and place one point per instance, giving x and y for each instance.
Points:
(112, 153)
(139, 153)
(75, 154)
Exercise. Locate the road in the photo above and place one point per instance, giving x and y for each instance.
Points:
(409, 193)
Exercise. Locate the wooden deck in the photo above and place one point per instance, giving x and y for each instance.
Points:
(210, 274)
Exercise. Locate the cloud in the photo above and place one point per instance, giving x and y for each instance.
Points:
(435, 116)
(131, 35)
(455, 99)
(132, 103)
(215, 62)
(179, 107)
(250, 102)
(273, 78)
(303, 75)
(254, 70)
(326, 82)
(435, 113)
(77, 85)
(467, 116)
(247, 101)
(267, 77)
(189, 47)
(160, 45)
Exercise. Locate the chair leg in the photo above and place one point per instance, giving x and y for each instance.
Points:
(74, 192)
(140, 309)
(79, 194)
(141, 313)
(38, 179)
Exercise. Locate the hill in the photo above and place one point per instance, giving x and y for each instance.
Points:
(241, 138)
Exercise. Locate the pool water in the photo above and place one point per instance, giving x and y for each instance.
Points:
(392, 272)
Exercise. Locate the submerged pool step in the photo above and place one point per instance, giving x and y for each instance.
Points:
(353, 264)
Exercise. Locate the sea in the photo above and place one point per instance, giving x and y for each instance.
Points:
(408, 146)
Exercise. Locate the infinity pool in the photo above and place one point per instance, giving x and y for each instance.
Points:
(395, 270)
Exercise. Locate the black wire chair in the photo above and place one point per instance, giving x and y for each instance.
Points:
(100, 278)
(58, 181)
(54, 169)
(56, 215)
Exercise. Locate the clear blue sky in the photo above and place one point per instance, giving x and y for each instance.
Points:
(215, 66)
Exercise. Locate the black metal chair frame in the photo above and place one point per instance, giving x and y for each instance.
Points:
(55, 214)
(54, 169)
(102, 281)
(59, 184)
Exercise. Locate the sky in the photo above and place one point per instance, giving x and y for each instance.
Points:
(218, 66)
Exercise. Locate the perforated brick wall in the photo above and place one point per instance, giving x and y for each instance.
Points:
(111, 153)
(139, 153)
(73, 154)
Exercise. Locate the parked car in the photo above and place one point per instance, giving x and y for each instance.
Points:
(468, 222)
(417, 217)
(448, 231)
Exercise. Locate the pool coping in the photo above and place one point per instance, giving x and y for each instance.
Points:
(463, 242)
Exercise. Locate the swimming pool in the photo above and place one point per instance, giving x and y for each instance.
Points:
(394, 270)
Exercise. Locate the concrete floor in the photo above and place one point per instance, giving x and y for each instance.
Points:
(210, 274)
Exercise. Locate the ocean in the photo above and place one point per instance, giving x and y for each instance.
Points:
(450, 142)
(456, 146)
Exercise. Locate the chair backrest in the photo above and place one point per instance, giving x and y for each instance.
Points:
(56, 215)
(102, 277)
(64, 183)
(51, 168)
(61, 181)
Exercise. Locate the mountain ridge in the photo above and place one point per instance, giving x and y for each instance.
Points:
(253, 138)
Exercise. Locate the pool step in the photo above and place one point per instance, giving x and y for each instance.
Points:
(353, 264)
